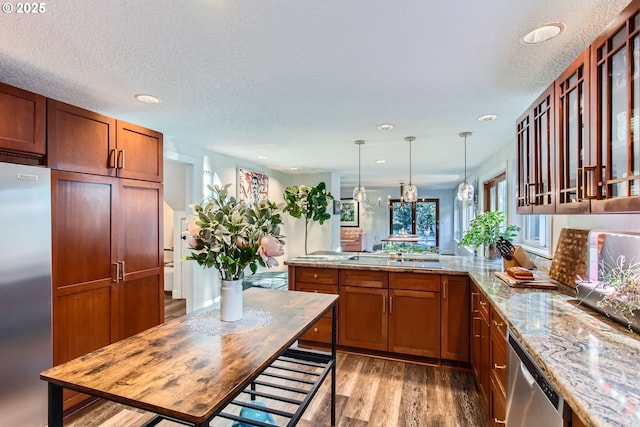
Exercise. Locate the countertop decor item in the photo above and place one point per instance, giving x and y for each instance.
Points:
(309, 203)
(230, 236)
(485, 230)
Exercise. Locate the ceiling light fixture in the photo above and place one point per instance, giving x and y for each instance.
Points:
(543, 33)
(381, 161)
(147, 99)
(262, 157)
(488, 117)
(410, 191)
(465, 190)
(385, 126)
(359, 193)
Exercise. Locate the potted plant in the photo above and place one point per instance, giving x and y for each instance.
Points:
(230, 236)
(485, 229)
(308, 202)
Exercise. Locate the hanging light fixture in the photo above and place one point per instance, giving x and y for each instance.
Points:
(410, 191)
(465, 190)
(359, 193)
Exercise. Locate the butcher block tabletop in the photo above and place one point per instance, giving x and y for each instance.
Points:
(177, 372)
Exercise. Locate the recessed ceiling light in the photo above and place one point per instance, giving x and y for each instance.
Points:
(543, 33)
(263, 157)
(385, 126)
(293, 169)
(381, 161)
(148, 99)
(488, 117)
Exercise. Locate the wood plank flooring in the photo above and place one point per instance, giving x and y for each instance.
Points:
(369, 392)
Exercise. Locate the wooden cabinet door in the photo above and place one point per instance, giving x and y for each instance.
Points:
(572, 139)
(139, 154)
(80, 140)
(22, 121)
(139, 292)
(414, 322)
(485, 359)
(455, 318)
(363, 317)
(612, 179)
(475, 332)
(498, 409)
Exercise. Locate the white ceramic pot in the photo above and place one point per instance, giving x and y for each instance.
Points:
(231, 300)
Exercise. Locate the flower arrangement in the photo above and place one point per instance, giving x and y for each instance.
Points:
(230, 236)
(308, 202)
(621, 283)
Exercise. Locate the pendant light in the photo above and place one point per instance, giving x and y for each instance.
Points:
(359, 193)
(410, 191)
(465, 190)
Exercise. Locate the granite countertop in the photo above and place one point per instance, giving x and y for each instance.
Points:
(593, 362)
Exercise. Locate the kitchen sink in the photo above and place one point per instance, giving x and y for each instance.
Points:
(413, 262)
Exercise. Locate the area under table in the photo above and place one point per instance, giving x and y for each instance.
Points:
(191, 377)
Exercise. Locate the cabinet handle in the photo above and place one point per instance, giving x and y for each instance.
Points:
(531, 195)
(590, 182)
(497, 421)
(121, 270)
(116, 276)
(315, 275)
(315, 330)
(579, 184)
(496, 366)
(384, 304)
(482, 303)
(121, 159)
(112, 159)
(498, 324)
(390, 305)
(444, 289)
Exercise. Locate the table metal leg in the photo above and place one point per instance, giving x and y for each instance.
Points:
(55, 405)
(333, 368)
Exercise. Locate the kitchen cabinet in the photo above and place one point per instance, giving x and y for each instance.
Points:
(414, 322)
(88, 142)
(22, 125)
(317, 280)
(612, 179)
(535, 152)
(107, 258)
(498, 368)
(572, 140)
(455, 303)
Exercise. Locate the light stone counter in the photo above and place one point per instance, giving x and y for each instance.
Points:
(593, 362)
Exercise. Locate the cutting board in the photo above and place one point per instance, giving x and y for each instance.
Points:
(511, 281)
(570, 257)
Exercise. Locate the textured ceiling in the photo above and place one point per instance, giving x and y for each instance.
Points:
(299, 80)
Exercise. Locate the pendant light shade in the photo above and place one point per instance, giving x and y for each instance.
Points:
(359, 192)
(465, 190)
(410, 191)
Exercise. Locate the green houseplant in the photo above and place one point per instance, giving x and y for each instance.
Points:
(309, 203)
(485, 229)
(230, 236)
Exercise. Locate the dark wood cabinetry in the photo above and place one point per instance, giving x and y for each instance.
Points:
(22, 125)
(87, 142)
(107, 262)
(455, 298)
(594, 155)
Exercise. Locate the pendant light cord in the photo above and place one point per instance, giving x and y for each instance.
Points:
(359, 161)
(409, 162)
(465, 159)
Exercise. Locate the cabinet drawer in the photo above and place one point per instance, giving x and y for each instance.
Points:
(319, 332)
(498, 406)
(328, 276)
(475, 300)
(318, 288)
(498, 325)
(499, 360)
(415, 281)
(364, 278)
(484, 306)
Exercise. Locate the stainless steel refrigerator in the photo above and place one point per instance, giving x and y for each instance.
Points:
(25, 293)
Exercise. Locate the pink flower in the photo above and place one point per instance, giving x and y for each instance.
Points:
(241, 242)
(269, 248)
(192, 227)
(192, 243)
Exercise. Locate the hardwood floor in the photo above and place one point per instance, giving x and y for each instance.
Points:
(369, 392)
(174, 307)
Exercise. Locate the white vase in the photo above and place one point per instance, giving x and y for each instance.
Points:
(231, 300)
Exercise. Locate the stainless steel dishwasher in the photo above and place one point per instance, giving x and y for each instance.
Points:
(531, 399)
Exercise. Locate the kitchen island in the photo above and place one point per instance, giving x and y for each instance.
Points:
(592, 361)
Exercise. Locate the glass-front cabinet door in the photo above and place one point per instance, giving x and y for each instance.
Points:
(572, 139)
(613, 178)
(535, 133)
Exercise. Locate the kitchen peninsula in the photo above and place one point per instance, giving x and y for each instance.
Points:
(592, 362)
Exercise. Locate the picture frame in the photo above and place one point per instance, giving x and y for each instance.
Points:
(253, 187)
(349, 213)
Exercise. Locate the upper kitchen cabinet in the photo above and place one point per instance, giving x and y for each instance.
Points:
(535, 179)
(572, 138)
(87, 142)
(612, 179)
(22, 123)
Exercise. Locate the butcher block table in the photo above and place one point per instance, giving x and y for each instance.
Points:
(190, 377)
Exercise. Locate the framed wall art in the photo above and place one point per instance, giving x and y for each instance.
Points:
(349, 213)
(253, 187)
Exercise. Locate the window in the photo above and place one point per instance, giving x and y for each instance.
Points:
(463, 213)
(495, 193)
(536, 230)
(421, 218)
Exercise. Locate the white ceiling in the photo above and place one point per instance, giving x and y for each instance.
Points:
(300, 80)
